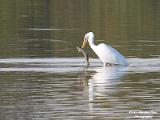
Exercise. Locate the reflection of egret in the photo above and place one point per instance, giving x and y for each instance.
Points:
(100, 82)
(102, 86)
(106, 53)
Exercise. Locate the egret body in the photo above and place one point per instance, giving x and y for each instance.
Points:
(106, 53)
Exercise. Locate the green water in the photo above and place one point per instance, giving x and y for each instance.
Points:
(43, 77)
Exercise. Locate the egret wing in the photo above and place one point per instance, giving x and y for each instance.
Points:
(110, 55)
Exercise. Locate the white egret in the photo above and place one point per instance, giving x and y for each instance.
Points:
(107, 54)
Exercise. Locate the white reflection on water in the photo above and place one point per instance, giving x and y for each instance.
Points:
(140, 65)
(69, 65)
(105, 76)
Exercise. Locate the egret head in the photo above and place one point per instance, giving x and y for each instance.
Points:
(88, 36)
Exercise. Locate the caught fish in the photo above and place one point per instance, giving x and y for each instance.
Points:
(85, 54)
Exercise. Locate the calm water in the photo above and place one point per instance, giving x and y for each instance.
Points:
(43, 77)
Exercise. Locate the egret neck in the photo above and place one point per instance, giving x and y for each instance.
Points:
(91, 42)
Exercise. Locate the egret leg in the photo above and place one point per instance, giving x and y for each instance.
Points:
(104, 64)
(109, 64)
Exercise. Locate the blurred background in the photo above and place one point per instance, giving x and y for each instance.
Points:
(53, 28)
(43, 77)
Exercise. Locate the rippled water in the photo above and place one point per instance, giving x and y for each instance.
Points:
(43, 77)
(63, 88)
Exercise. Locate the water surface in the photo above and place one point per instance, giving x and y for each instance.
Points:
(43, 77)
(45, 88)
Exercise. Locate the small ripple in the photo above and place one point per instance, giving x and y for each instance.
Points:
(50, 29)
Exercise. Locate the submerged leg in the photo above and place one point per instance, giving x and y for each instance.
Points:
(104, 64)
(107, 64)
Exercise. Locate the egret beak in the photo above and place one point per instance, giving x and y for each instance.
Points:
(84, 43)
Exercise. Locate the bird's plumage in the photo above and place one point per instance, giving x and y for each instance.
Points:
(109, 55)
(106, 53)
